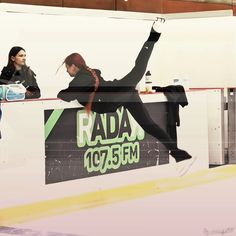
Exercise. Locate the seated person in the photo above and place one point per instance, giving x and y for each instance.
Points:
(17, 71)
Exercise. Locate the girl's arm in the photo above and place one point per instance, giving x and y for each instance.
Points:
(79, 89)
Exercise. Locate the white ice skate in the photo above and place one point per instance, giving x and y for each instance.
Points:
(158, 24)
(184, 167)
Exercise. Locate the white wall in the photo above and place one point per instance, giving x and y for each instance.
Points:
(201, 50)
(26, 161)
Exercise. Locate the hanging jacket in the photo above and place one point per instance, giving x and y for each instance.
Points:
(176, 97)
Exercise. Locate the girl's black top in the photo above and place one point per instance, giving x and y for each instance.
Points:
(109, 96)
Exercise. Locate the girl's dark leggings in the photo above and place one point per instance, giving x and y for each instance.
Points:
(139, 69)
(129, 97)
(135, 104)
(143, 118)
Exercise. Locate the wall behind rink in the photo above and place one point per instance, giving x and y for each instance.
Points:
(110, 44)
(200, 50)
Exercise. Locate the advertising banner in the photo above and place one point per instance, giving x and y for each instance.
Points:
(78, 145)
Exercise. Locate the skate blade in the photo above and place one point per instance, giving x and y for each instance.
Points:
(185, 166)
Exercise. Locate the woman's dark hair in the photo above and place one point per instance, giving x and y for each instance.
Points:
(76, 59)
(12, 53)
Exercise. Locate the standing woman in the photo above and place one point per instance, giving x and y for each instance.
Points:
(98, 95)
(17, 71)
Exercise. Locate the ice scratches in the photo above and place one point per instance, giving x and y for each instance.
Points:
(29, 232)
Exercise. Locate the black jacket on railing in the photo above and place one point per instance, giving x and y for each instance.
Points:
(176, 97)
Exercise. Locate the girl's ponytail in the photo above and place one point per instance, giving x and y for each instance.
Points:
(88, 106)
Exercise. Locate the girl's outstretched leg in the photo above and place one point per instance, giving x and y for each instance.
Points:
(141, 115)
(156, 30)
(136, 74)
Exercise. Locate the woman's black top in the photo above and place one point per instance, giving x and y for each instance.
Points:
(25, 76)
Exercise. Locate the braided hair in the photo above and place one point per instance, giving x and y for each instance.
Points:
(78, 60)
